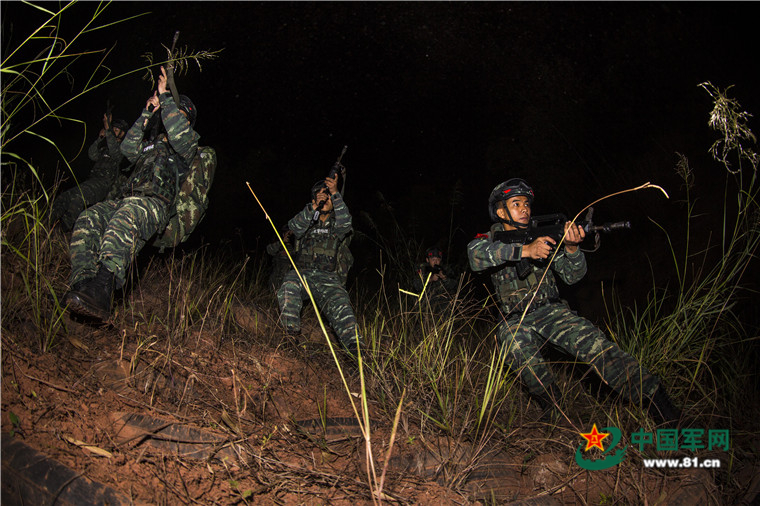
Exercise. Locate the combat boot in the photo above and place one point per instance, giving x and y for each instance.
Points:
(77, 287)
(662, 411)
(94, 297)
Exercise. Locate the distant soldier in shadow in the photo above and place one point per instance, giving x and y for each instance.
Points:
(105, 152)
(440, 287)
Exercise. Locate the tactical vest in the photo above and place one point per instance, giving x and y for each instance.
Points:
(515, 293)
(318, 248)
(105, 167)
(156, 173)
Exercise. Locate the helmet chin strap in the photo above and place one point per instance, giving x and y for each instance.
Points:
(518, 226)
(511, 221)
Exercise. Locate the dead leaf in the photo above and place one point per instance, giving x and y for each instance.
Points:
(230, 423)
(94, 449)
(78, 344)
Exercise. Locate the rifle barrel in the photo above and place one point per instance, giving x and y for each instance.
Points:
(341, 155)
(609, 227)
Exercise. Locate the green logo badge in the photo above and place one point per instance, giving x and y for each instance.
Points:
(594, 439)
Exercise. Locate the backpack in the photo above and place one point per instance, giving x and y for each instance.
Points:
(191, 201)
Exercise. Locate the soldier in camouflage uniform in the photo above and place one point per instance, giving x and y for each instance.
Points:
(547, 319)
(105, 152)
(109, 235)
(440, 288)
(317, 258)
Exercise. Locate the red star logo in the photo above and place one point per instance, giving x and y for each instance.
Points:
(594, 438)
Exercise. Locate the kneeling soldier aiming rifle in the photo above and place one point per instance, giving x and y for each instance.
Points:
(517, 267)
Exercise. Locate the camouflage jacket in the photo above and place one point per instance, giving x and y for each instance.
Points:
(514, 293)
(317, 244)
(106, 154)
(160, 163)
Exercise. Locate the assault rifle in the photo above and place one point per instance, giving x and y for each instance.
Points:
(336, 169)
(109, 114)
(553, 225)
(433, 269)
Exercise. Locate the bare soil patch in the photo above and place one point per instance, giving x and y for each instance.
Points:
(123, 418)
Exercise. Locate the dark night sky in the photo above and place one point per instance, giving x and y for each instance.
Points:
(582, 99)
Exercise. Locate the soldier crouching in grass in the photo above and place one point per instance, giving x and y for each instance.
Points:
(318, 241)
(109, 235)
(516, 271)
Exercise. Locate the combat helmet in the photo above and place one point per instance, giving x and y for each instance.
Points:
(120, 124)
(433, 252)
(514, 187)
(187, 105)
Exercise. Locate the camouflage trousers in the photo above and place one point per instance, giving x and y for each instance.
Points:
(555, 323)
(111, 233)
(331, 298)
(69, 204)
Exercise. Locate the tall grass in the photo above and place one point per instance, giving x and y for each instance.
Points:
(34, 70)
(34, 265)
(52, 58)
(690, 333)
(437, 357)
